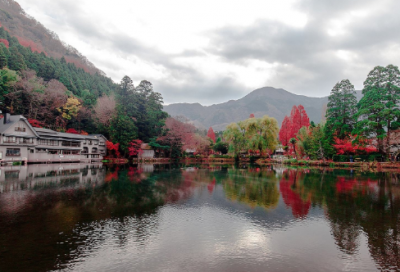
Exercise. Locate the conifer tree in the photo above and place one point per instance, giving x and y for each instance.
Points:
(341, 108)
(379, 111)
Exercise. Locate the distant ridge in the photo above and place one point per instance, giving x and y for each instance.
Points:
(264, 101)
(31, 33)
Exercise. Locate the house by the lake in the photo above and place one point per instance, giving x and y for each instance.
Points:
(21, 142)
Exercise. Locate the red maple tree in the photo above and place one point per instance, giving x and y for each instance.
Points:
(113, 149)
(251, 115)
(346, 147)
(304, 120)
(211, 134)
(35, 123)
(134, 148)
(284, 132)
(72, 130)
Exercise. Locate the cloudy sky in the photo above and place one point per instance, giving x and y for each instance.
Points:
(212, 51)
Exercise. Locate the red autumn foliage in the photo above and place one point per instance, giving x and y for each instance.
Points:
(304, 120)
(72, 130)
(211, 134)
(251, 115)
(134, 148)
(211, 186)
(113, 149)
(28, 43)
(77, 63)
(300, 208)
(84, 132)
(110, 176)
(35, 123)
(284, 132)
(346, 147)
(6, 43)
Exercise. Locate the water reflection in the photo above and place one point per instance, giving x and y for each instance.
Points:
(163, 217)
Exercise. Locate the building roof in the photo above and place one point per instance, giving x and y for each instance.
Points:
(12, 120)
(45, 130)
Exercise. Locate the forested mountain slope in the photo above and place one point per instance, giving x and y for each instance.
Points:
(264, 101)
(31, 33)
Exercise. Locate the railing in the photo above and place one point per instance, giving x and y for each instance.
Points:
(10, 141)
(71, 144)
(25, 141)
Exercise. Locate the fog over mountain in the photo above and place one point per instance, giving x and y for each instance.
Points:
(264, 101)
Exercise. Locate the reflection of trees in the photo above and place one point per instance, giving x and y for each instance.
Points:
(360, 202)
(252, 187)
(30, 237)
(291, 193)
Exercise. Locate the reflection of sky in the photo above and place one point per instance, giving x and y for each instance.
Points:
(210, 233)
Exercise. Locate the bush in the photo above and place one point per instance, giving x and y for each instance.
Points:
(17, 163)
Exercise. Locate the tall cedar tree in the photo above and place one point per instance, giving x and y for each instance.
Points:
(211, 134)
(342, 105)
(378, 111)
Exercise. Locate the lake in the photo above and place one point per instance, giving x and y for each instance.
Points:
(76, 217)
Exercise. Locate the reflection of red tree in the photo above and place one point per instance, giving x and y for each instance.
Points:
(211, 186)
(346, 185)
(110, 176)
(300, 208)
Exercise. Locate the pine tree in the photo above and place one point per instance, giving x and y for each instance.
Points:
(379, 111)
(3, 58)
(341, 108)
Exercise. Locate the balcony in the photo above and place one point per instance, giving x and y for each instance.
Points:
(71, 144)
(26, 141)
(10, 141)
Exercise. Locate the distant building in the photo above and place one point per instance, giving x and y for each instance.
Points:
(146, 152)
(19, 141)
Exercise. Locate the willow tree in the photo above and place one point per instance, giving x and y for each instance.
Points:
(378, 111)
(234, 135)
(261, 133)
(341, 108)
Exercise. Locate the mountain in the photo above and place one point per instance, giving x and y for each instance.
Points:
(31, 33)
(264, 101)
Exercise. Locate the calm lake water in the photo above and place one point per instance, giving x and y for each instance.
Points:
(206, 218)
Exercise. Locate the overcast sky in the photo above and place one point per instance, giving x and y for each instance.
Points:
(212, 51)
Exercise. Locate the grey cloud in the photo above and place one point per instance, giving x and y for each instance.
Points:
(305, 58)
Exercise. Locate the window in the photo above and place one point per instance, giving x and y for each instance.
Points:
(96, 142)
(13, 152)
(53, 152)
(26, 141)
(48, 142)
(11, 175)
(10, 139)
(21, 129)
(32, 151)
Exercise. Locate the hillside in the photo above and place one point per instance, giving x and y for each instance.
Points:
(31, 33)
(268, 100)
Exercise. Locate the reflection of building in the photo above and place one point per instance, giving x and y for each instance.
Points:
(19, 141)
(14, 178)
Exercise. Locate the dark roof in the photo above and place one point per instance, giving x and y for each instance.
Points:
(45, 130)
(12, 120)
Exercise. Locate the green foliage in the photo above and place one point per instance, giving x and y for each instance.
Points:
(341, 108)
(378, 111)
(314, 143)
(221, 147)
(123, 131)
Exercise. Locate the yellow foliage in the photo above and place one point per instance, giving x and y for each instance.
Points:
(70, 108)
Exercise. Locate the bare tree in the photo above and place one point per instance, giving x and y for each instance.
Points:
(105, 109)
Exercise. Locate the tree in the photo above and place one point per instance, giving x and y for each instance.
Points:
(105, 110)
(234, 135)
(284, 132)
(177, 135)
(304, 120)
(378, 111)
(70, 108)
(341, 108)
(221, 147)
(134, 148)
(261, 133)
(211, 134)
(295, 121)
